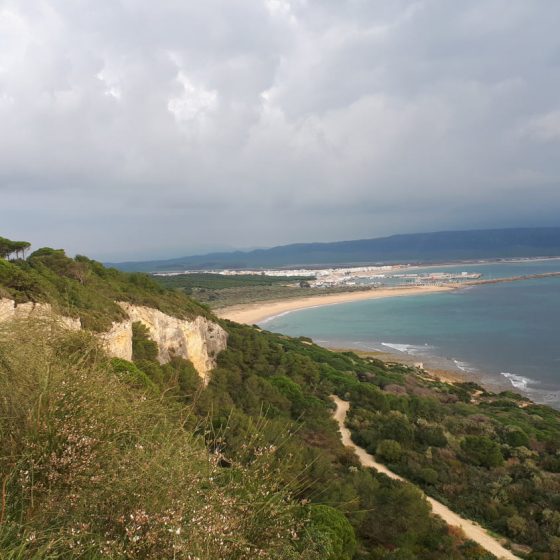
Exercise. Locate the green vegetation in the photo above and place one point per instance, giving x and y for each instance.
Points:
(102, 458)
(288, 382)
(105, 458)
(493, 458)
(210, 281)
(84, 288)
(9, 248)
(217, 290)
(92, 467)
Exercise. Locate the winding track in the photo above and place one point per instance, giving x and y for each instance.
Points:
(471, 529)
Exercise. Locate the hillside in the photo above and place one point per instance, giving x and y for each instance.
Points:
(103, 457)
(418, 247)
(85, 289)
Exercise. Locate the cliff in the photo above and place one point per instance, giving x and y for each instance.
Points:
(198, 340)
(10, 311)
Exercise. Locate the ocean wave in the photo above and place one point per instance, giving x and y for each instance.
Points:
(518, 381)
(408, 348)
(272, 317)
(464, 366)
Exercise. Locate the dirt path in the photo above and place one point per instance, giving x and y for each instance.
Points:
(471, 529)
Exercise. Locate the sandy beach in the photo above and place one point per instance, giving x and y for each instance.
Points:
(257, 312)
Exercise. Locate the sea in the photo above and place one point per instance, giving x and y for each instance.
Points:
(504, 335)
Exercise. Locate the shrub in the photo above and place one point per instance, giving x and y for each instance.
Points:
(428, 475)
(331, 524)
(432, 436)
(389, 450)
(481, 450)
(143, 347)
(131, 374)
(516, 437)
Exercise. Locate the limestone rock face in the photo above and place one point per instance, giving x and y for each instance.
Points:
(10, 311)
(118, 340)
(198, 340)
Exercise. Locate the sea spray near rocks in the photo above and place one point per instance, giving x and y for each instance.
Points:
(518, 381)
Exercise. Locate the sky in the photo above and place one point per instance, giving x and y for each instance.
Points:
(134, 129)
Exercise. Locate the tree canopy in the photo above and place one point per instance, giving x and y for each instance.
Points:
(9, 248)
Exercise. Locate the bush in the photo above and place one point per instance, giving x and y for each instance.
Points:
(432, 436)
(130, 373)
(143, 347)
(331, 524)
(428, 475)
(397, 427)
(516, 437)
(389, 450)
(481, 450)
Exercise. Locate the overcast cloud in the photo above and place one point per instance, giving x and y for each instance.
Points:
(135, 128)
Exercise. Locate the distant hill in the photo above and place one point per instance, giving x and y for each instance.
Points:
(416, 247)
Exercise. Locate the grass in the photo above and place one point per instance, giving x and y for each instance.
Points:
(93, 468)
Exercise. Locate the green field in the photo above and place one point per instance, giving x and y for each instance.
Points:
(218, 291)
(211, 281)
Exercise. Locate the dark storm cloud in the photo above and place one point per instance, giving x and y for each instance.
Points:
(135, 128)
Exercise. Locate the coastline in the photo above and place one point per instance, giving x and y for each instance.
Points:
(438, 366)
(259, 312)
(254, 313)
(432, 366)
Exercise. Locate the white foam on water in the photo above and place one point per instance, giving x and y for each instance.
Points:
(272, 317)
(518, 381)
(407, 348)
(464, 366)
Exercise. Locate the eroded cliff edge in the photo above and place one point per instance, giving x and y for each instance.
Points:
(198, 340)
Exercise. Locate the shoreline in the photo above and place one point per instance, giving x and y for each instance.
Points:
(261, 311)
(440, 367)
(431, 365)
(258, 312)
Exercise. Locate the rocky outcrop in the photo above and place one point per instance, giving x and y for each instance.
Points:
(198, 340)
(10, 311)
(118, 340)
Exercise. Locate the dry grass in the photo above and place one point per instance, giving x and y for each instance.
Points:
(92, 468)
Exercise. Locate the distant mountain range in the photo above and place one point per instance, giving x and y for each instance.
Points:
(412, 248)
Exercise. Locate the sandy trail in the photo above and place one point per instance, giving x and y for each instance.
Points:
(253, 313)
(471, 529)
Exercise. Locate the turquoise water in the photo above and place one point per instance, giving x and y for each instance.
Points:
(505, 333)
(489, 271)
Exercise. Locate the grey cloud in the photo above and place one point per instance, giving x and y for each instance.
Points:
(135, 128)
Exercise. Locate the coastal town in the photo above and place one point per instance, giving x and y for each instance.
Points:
(356, 277)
